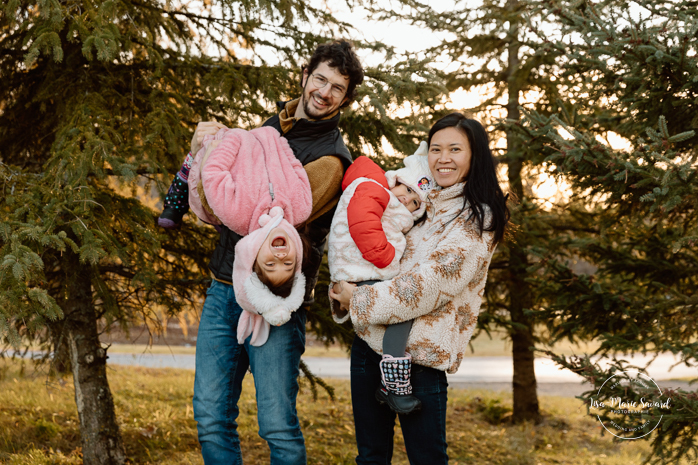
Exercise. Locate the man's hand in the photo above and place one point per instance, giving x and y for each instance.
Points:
(202, 130)
(211, 146)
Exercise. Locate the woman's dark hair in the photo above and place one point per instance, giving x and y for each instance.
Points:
(340, 55)
(482, 186)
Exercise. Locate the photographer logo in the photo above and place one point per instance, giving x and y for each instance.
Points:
(629, 405)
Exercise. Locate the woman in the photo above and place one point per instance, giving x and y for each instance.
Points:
(440, 285)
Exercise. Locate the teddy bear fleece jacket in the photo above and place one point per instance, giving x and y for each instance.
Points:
(440, 286)
(249, 173)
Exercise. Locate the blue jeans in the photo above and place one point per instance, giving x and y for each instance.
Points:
(221, 364)
(424, 430)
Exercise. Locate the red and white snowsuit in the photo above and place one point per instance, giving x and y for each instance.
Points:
(367, 236)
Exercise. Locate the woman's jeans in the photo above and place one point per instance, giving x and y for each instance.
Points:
(221, 364)
(424, 430)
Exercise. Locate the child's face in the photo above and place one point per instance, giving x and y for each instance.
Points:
(407, 196)
(277, 257)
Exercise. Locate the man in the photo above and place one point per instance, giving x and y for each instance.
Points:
(310, 124)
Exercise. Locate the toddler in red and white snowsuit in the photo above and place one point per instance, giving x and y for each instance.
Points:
(366, 243)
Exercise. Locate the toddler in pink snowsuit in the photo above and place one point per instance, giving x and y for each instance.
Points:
(251, 182)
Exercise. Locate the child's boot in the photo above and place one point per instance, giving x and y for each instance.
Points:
(177, 198)
(397, 390)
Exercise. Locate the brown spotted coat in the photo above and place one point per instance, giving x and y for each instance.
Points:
(441, 283)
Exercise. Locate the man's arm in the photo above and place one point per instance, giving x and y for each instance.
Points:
(325, 175)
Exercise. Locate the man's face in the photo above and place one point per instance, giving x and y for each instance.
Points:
(321, 100)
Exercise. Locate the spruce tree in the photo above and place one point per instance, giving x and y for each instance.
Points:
(640, 65)
(97, 106)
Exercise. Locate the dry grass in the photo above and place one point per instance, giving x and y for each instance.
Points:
(38, 424)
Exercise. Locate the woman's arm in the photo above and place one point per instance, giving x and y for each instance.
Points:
(458, 264)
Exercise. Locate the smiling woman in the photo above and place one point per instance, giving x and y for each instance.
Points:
(459, 152)
(442, 276)
(449, 156)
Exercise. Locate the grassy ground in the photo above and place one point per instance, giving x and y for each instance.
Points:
(38, 424)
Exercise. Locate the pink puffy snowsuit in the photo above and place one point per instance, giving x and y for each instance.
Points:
(253, 183)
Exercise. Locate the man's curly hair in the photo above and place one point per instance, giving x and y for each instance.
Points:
(339, 54)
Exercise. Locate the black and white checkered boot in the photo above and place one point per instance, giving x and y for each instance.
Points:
(397, 390)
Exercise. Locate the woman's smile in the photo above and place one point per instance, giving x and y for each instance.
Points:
(449, 156)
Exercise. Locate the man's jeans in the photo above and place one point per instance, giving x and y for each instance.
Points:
(424, 430)
(221, 364)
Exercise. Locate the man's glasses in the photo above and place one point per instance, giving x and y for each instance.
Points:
(321, 81)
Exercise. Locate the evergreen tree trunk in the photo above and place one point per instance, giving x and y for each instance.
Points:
(58, 337)
(59, 347)
(60, 351)
(101, 440)
(524, 381)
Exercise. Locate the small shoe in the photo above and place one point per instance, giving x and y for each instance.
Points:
(402, 404)
(396, 389)
(170, 219)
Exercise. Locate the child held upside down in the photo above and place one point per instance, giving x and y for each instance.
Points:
(251, 182)
(366, 243)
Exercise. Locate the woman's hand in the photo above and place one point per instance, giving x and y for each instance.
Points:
(346, 290)
(202, 130)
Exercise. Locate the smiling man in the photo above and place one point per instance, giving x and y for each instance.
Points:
(310, 125)
(324, 91)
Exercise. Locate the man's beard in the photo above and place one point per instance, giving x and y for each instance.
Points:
(307, 107)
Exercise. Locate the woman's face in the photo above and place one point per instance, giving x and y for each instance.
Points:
(449, 156)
